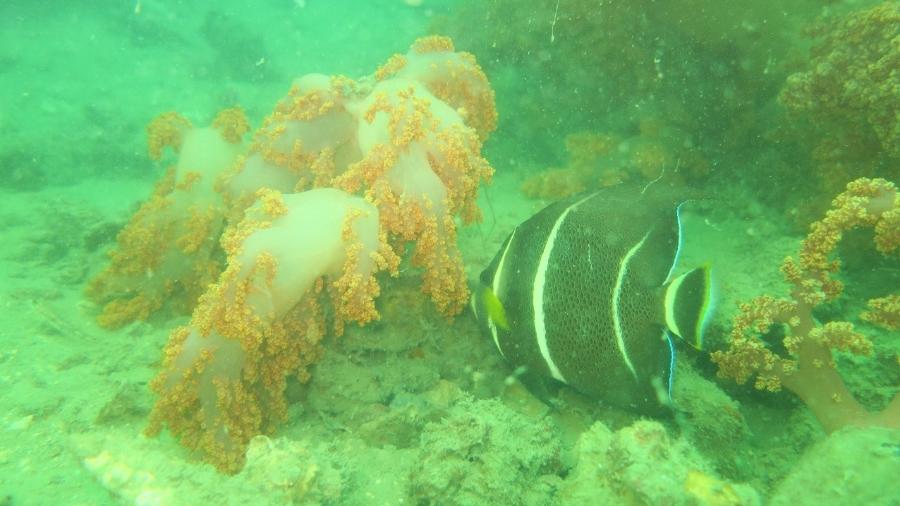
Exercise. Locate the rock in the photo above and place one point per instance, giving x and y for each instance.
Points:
(641, 464)
(483, 452)
(852, 466)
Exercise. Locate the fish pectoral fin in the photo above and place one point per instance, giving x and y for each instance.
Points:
(494, 309)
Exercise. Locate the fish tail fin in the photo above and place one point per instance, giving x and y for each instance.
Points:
(688, 305)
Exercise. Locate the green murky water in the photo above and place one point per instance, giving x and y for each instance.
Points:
(760, 112)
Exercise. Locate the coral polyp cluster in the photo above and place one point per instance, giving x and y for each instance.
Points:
(847, 98)
(852, 79)
(264, 319)
(598, 160)
(167, 253)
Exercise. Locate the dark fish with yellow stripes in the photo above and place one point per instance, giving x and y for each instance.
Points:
(586, 292)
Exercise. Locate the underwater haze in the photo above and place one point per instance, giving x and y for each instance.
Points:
(281, 253)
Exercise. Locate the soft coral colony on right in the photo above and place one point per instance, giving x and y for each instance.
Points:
(809, 369)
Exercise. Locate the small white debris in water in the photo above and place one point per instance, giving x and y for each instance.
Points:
(23, 423)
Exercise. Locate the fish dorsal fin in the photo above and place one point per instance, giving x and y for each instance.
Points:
(679, 241)
(688, 305)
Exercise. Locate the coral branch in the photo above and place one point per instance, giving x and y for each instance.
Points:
(225, 373)
(167, 253)
(809, 370)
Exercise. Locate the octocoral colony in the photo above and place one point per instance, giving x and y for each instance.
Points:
(850, 92)
(809, 370)
(342, 175)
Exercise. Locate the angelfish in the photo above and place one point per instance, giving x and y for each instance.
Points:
(586, 292)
